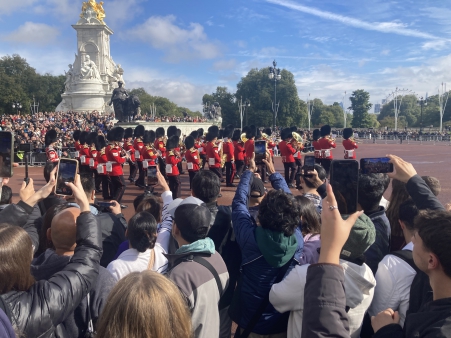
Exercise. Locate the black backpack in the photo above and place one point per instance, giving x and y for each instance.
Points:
(420, 291)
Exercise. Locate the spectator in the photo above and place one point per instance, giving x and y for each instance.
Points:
(398, 196)
(6, 197)
(62, 235)
(309, 189)
(433, 184)
(370, 191)
(256, 195)
(145, 304)
(310, 227)
(196, 268)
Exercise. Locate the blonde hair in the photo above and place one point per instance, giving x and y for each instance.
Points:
(145, 305)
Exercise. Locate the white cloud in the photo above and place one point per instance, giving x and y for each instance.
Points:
(64, 10)
(33, 33)
(9, 6)
(178, 43)
(224, 64)
(385, 52)
(435, 44)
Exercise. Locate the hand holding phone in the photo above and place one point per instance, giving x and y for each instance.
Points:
(67, 171)
(152, 178)
(309, 164)
(376, 165)
(260, 151)
(344, 179)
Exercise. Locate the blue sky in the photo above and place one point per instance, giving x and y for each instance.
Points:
(183, 49)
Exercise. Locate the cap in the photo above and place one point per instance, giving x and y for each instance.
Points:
(191, 216)
(362, 236)
(257, 186)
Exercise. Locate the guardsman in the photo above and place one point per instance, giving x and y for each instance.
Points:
(238, 152)
(349, 143)
(93, 160)
(270, 143)
(117, 156)
(101, 167)
(299, 146)
(327, 144)
(160, 146)
(172, 171)
(76, 136)
(251, 132)
(84, 155)
(214, 159)
(50, 140)
(316, 146)
(229, 152)
(286, 152)
(138, 145)
(201, 147)
(192, 156)
(130, 148)
(148, 153)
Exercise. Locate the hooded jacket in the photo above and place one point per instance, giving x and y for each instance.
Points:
(256, 273)
(359, 283)
(49, 263)
(381, 246)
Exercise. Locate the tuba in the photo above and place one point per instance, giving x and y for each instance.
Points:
(243, 138)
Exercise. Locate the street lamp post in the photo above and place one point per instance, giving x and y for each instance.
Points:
(17, 106)
(310, 105)
(274, 73)
(34, 107)
(242, 106)
(345, 115)
(421, 102)
(442, 101)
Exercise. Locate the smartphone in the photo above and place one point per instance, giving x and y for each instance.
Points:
(344, 179)
(152, 178)
(67, 171)
(309, 163)
(260, 151)
(6, 154)
(377, 165)
(105, 205)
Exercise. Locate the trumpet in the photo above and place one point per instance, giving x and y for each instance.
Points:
(266, 137)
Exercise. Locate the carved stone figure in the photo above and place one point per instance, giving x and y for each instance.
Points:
(69, 78)
(90, 7)
(89, 69)
(118, 99)
(118, 74)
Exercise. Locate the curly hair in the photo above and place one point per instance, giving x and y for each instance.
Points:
(279, 211)
(142, 231)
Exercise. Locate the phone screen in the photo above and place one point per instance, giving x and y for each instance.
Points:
(105, 204)
(260, 151)
(309, 163)
(377, 165)
(344, 179)
(6, 154)
(152, 178)
(67, 170)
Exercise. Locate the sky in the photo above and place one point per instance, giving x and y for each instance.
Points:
(183, 49)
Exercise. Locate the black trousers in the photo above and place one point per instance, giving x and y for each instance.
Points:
(118, 183)
(133, 169)
(162, 164)
(261, 169)
(298, 165)
(326, 165)
(317, 160)
(191, 176)
(85, 170)
(203, 157)
(239, 167)
(289, 177)
(142, 173)
(217, 171)
(175, 186)
(106, 187)
(180, 168)
(230, 172)
(97, 179)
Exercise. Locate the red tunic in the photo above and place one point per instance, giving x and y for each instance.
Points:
(317, 148)
(271, 145)
(239, 151)
(159, 145)
(114, 156)
(84, 154)
(192, 159)
(249, 148)
(148, 153)
(286, 151)
(129, 147)
(138, 145)
(102, 160)
(350, 147)
(326, 146)
(228, 150)
(52, 154)
(214, 160)
(93, 155)
(77, 147)
(171, 164)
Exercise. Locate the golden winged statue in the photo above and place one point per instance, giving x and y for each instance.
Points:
(97, 7)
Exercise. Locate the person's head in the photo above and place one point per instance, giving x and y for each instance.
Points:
(142, 231)
(7, 195)
(145, 304)
(191, 219)
(206, 186)
(48, 168)
(280, 212)
(89, 187)
(407, 213)
(257, 192)
(399, 194)
(433, 184)
(370, 191)
(306, 184)
(63, 231)
(44, 242)
(310, 219)
(361, 237)
(152, 205)
(431, 249)
(15, 256)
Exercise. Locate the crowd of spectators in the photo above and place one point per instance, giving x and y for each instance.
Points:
(187, 118)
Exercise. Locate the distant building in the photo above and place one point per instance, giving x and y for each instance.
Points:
(384, 101)
(377, 108)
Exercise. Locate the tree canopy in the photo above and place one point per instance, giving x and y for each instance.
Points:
(360, 105)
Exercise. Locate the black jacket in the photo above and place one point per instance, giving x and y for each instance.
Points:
(37, 311)
(421, 195)
(49, 263)
(381, 246)
(113, 234)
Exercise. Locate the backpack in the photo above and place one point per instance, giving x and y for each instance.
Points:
(420, 290)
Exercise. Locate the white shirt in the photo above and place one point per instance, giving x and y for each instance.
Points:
(394, 277)
(288, 295)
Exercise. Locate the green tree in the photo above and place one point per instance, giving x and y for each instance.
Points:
(360, 105)
(229, 109)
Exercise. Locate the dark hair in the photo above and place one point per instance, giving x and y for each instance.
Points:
(433, 184)
(321, 175)
(7, 195)
(311, 222)
(49, 166)
(279, 211)
(138, 199)
(16, 256)
(370, 191)
(51, 212)
(434, 228)
(152, 205)
(206, 186)
(407, 213)
(87, 183)
(399, 194)
(142, 231)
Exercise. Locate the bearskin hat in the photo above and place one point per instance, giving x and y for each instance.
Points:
(245, 129)
(91, 139)
(179, 133)
(149, 137)
(251, 132)
(118, 134)
(286, 133)
(128, 133)
(189, 142)
(258, 135)
(228, 131)
(316, 135)
(50, 137)
(267, 131)
(200, 132)
(84, 137)
(347, 133)
(139, 131)
(109, 136)
(172, 142)
(97, 143)
(172, 130)
(194, 134)
(159, 132)
(236, 135)
(221, 133)
(293, 128)
(213, 132)
(325, 130)
(101, 143)
(76, 135)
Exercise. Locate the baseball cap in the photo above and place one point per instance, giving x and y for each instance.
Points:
(362, 236)
(191, 216)
(257, 186)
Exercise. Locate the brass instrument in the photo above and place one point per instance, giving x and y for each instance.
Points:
(243, 137)
(330, 138)
(266, 137)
